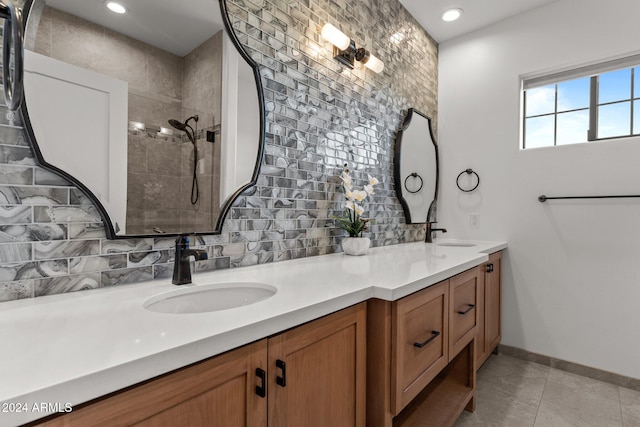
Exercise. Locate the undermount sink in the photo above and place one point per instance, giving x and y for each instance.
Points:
(459, 244)
(208, 298)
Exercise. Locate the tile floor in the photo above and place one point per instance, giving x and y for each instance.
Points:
(512, 393)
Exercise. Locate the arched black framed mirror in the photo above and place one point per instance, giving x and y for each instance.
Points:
(417, 168)
(157, 114)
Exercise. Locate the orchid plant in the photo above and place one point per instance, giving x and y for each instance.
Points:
(352, 220)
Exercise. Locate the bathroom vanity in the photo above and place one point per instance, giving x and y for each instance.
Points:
(324, 359)
(330, 337)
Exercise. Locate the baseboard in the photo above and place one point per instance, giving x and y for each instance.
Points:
(574, 368)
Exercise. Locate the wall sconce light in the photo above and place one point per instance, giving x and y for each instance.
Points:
(345, 51)
(137, 126)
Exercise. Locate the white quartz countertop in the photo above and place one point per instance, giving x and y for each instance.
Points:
(71, 348)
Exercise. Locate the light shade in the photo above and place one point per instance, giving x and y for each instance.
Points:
(374, 64)
(451, 14)
(335, 36)
(116, 7)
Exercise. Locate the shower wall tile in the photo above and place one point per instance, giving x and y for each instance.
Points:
(165, 74)
(137, 153)
(320, 116)
(203, 76)
(152, 110)
(124, 58)
(162, 158)
(73, 40)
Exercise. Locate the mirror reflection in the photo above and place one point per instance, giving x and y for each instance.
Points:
(153, 112)
(416, 168)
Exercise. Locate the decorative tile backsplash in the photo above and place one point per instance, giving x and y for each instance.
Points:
(319, 116)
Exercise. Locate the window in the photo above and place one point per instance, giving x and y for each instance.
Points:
(586, 104)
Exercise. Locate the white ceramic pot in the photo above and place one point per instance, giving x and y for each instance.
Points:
(356, 245)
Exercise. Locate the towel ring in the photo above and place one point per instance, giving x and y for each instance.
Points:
(414, 175)
(469, 172)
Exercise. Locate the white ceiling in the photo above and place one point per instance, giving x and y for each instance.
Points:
(167, 24)
(170, 25)
(477, 14)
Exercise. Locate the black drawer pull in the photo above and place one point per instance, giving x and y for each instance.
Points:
(434, 335)
(261, 390)
(489, 268)
(467, 310)
(281, 381)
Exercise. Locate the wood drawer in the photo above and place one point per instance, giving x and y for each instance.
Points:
(420, 333)
(463, 315)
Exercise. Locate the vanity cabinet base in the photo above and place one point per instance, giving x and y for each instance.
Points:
(421, 354)
(447, 395)
(312, 375)
(216, 392)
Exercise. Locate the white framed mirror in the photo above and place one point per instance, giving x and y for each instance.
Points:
(157, 114)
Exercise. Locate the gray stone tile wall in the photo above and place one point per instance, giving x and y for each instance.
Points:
(319, 116)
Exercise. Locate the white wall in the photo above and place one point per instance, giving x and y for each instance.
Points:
(572, 271)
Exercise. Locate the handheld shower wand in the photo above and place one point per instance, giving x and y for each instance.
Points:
(191, 134)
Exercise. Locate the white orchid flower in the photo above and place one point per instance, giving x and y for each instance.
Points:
(372, 181)
(355, 207)
(369, 190)
(359, 195)
(346, 180)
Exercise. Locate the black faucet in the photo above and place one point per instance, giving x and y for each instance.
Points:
(429, 237)
(182, 265)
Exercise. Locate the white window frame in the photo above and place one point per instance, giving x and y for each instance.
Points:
(593, 71)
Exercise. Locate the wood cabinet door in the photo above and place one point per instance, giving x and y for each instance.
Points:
(463, 313)
(220, 391)
(420, 342)
(493, 302)
(317, 372)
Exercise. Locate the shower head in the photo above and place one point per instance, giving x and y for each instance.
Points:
(183, 126)
(178, 125)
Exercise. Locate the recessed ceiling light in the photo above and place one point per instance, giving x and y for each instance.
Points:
(116, 7)
(451, 14)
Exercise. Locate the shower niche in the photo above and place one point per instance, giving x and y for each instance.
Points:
(156, 115)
